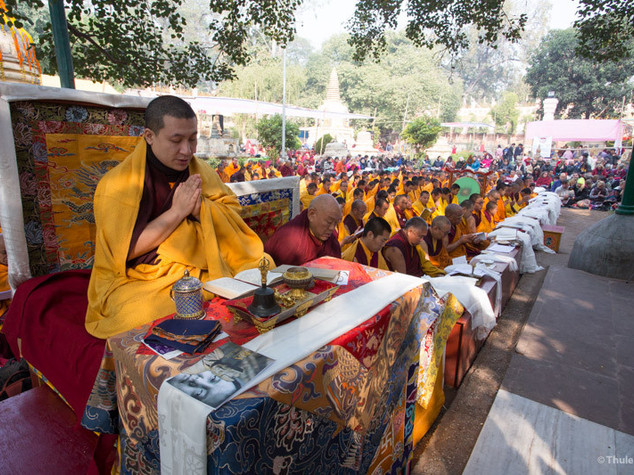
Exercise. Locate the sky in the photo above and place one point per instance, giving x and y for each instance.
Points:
(321, 19)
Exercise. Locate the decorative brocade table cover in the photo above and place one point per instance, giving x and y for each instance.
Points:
(348, 407)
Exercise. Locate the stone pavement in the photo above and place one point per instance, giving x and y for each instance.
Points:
(551, 390)
(574, 363)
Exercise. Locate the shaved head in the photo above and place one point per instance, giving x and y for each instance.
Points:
(358, 205)
(454, 213)
(324, 214)
(467, 205)
(415, 230)
(440, 227)
(417, 223)
(453, 209)
(323, 202)
(400, 201)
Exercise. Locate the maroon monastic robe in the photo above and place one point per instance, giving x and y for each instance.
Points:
(410, 254)
(294, 244)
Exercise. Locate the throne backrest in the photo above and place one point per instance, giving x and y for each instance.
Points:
(62, 149)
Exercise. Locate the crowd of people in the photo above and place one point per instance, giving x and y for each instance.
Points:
(403, 215)
(580, 179)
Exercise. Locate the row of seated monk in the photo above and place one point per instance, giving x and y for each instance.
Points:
(419, 238)
(161, 211)
(366, 185)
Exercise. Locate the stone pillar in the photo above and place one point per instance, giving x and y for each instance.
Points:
(626, 207)
(550, 106)
(607, 247)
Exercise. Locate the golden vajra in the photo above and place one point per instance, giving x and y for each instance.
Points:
(264, 270)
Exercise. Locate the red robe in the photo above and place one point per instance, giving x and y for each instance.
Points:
(294, 244)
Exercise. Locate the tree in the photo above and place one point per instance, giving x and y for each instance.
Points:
(431, 24)
(585, 87)
(405, 84)
(321, 143)
(605, 29)
(261, 78)
(422, 132)
(506, 114)
(270, 135)
(487, 70)
(144, 42)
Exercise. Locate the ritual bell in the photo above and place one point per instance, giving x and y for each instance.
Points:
(264, 303)
(187, 294)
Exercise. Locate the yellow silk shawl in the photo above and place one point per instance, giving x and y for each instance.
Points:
(221, 245)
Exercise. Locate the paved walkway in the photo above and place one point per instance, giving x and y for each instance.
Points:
(552, 390)
(566, 400)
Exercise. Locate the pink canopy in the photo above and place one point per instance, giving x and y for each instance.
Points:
(576, 130)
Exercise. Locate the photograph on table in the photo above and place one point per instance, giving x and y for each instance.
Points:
(220, 375)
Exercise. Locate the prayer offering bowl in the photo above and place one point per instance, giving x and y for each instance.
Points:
(299, 279)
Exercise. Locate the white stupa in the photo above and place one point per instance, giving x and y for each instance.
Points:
(338, 128)
(364, 145)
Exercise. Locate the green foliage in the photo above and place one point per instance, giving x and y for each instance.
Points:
(215, 161)
(245, 125)
(144, 42)
(605, 29)
(585, 87)
(462, 154)
(186, 42)
(270, 135)
(320, 144)
(407, 78)
(431, 24)
(506, 113)
(422, 132)
(261, 80)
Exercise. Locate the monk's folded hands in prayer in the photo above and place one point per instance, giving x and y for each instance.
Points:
(186, 201)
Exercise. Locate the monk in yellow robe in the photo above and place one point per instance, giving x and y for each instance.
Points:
(232, 168)
(500, 214)
(158, 213)
(422, 207)
(341, 190)
(525, 197)
(367, 249)
(256, 171)
(420, 204)
(487, 224)
(272, 172)
(324, 189)
(428, 187)
(395, 215)
(352, 222)
(357, 194)
(442, 202)
(468, 226)
(222, 167)
(435, 242)
(306, 199)
(456, 240)
(454, 190)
